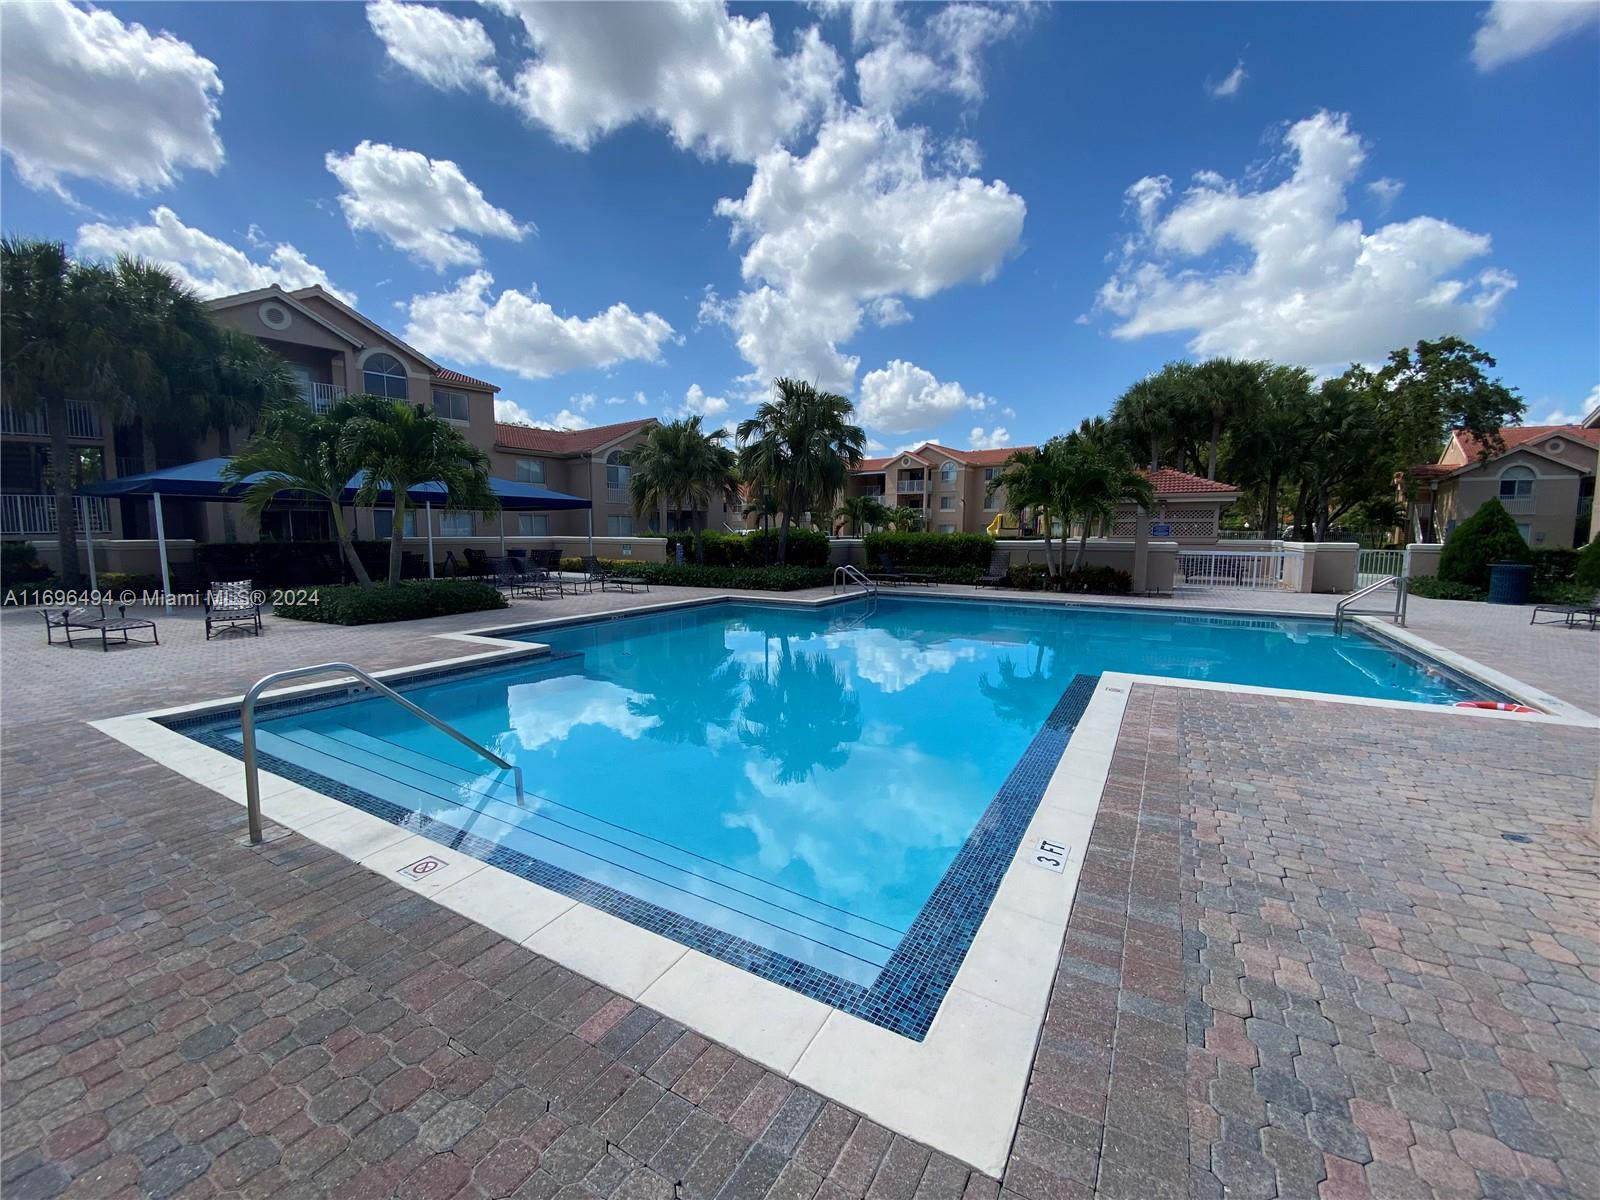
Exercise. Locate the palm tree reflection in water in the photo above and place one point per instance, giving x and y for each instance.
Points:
(802, 716)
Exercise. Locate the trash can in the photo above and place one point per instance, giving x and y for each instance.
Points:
(1509, 582)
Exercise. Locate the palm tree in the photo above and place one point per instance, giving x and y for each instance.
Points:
(1263, 451)
(764, 506)
(681, 466)
(1096, 476)
(1029, 478)
(800, 446)
(902, 518)
(862, 512)
(298, 450)
(398, 446)
(56, 345)
(1228, 391)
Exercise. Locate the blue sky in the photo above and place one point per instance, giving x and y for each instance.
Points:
(981, 223)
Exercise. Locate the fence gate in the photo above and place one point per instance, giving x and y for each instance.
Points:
(1379, 564)
(1258, 570)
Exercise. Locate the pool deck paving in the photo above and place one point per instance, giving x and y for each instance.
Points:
(1303, 961)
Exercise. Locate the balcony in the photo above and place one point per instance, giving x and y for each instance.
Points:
(877, 491)
(36, 513)
(83, 421)
(321, 396)
(911, 486)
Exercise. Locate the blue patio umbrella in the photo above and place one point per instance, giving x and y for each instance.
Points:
(203, 480)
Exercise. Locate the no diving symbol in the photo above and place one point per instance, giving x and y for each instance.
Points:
(422, 867)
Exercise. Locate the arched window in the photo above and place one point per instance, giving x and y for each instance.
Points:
(1516, 483)
(382, 375)
(947, 474)
(617, 472)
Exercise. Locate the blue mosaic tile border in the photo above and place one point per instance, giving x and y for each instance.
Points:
(907, 992)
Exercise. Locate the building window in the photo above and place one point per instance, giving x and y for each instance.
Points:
(530, 470)
(382, 375)
(947, 475)
(455, 524)
(619, 526)
(947, 503)
(383, 523)
(947, 529)
(530, 524)
(617, 472)
(1516, 483)
(452, 406)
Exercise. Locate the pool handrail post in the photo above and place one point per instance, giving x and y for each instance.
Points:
(247, 730)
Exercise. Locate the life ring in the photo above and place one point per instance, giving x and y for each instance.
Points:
(1495, 706)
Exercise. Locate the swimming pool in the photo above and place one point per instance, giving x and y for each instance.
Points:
(827, 797)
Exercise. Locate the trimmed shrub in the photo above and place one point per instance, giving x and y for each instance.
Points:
(1553, 565)
(1028, 577)
(1486, 537)
(920, 551)
(19, 563)
(1431, 587)
(1100, 581)
(807, 548)
(1587, 570)
(763, 579)
(1561, 593)
(352, 604)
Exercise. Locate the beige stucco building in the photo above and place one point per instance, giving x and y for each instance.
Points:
(333, 351)
(1544, 475)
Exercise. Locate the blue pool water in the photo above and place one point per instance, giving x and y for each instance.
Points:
(826, 797)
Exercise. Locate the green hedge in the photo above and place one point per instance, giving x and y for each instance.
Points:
(1486, 537)
(351, 604)
(1431, 587)
(1554, 565)
(807, 548)
(1587, 570)
(298, 564)
(1098, 581)
(763, 579)
(922, 550)
(19, 564)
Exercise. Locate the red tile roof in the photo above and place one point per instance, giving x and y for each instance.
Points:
(1169, 481)
(979, 458)
(871, 466)
(446, 375)
(1521, 435)
(564, 441)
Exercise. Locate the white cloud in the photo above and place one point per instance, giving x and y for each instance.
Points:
(944, 55)
(567, 419)
(859, 220)
(992, 439)
(87, 96)
(893, 75)
(207, 264)
(1514, 29)
(509, 412)
(1230, 84)
(696, 401)
(903, 397)
(447, 51)
(417, 204)
(518, 332)
(717, 82)
(1561, 415)
(1311, 288)
(1386, 191)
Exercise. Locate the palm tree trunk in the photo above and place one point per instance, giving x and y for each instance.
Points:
(1271, 522)
(1049, 558)
(1155, 452)
(61, 485)
(1216, 434)
(397, 534)
(783, 530)
(230, 531)
(347, 546)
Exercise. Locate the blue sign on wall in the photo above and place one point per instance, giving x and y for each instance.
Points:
(1160, 530)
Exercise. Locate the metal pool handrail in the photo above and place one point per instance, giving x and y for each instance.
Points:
(848, 573)
(247, 726)
(1396, 581)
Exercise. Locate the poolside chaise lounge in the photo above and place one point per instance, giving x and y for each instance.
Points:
(1569, 614)
(609, 580)
(999, 570)
(68, 619)
(888, 573)
(508, 575)
(232, 606)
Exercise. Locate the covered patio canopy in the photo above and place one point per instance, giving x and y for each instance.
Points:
(204, 480)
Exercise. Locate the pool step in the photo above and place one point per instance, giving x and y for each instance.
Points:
(663, 875)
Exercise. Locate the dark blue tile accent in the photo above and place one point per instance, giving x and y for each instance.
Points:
(907, 992)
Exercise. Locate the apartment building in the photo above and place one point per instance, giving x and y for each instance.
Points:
(951, 488)
(1544, 475)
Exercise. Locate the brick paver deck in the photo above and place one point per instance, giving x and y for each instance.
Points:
(1303, 962)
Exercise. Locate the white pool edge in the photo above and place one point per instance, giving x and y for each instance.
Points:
(960, 1090)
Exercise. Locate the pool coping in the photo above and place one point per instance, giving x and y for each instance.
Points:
(960, 1089)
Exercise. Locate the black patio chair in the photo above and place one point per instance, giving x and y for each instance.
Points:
(232, 606)
(81, 619)
(888, 573)
(999, 570)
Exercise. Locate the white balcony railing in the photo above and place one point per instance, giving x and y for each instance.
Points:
(83, 421)
(905, 486)
(36, 513)
(321, 396)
